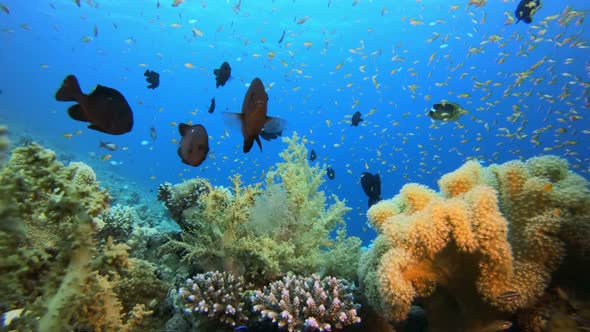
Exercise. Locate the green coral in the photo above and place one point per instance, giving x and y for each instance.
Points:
(51, 266)
(265, 233)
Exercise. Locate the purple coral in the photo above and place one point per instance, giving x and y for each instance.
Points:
(307, 303)
(217, 294)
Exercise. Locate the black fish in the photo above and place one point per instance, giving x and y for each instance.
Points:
(253, 119)
(526, 9)
(153, 133)
(446, 111)
(269, 135)
(152, 78)
(105, 108)
(282, 37)
(356, 118)
(194, 144)
(331, 173)
(212, 107)
(222, 74)
(371, 186)
(312, 155)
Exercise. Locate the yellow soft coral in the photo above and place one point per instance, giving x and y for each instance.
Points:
(486, 246)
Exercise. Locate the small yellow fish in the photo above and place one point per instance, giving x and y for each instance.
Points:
(175, 3)
(175, 25)
(308, 44)
(303, 20)
(189, 65)
(68, 135)
(106, 157)
(197, 32)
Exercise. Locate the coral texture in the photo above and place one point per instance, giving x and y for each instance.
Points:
(218, 295)
(263, 233)
(299, 303)
(486, 245)
(51, 266)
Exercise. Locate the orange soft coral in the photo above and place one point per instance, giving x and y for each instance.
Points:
(484, 247)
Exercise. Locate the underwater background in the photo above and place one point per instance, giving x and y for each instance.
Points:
(524, 87)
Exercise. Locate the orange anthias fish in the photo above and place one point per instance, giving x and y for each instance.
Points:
(253, 119)
(194, 144)
(105, 108)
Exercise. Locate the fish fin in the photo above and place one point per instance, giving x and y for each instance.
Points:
(274, 125)
(93, 127)
(69, 90)
(147, 72)
(183, 128)
(248, 145)
(75, 112)
(101, 144)
(257, 139)
(234, 120)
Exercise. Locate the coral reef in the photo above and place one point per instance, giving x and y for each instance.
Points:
(262, 234)
(295, 303)
(219, 295)
(52, 268)
(482, 248)
(183, 198)
(117, 222)
(307, 303)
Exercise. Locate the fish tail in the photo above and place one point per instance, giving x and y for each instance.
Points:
(101, 144)
(69, 90)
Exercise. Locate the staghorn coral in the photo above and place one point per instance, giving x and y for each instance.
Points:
(484, 247)
(307, 303)
(219, 295)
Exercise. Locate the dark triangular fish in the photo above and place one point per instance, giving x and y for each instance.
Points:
(371, 184)
(253, 119)
(153, 78)
(105, 108)
(356, 119)
(526, 9)
(194, 144)
(222, 74)
(331, 173)
(312, 155)
(212, 107)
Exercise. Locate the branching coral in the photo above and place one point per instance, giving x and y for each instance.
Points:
(486, 245)
(219, 295)
(212, 224)
(307, 303)
(265, 233)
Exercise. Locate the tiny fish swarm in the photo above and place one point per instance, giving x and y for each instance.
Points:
(218, 295)
(307, 303)
(489, 241)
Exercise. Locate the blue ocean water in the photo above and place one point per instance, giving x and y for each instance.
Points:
(525, 85)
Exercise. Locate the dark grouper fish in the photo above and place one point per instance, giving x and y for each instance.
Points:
(526, 9)
(253, 119)
(106, 109)
(194, 144)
